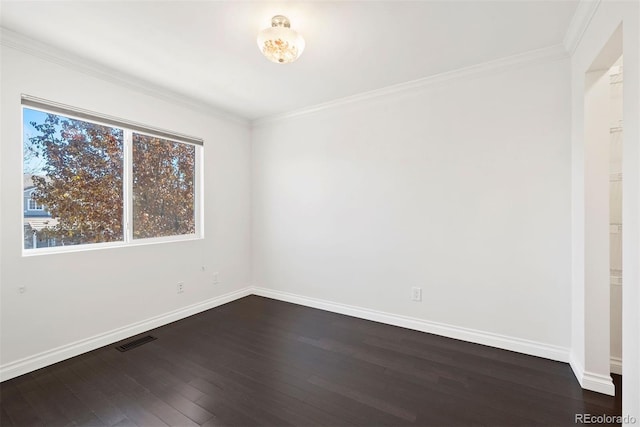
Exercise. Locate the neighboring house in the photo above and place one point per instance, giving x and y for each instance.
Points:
(35, 218)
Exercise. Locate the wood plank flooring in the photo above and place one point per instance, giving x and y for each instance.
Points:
(261, 362)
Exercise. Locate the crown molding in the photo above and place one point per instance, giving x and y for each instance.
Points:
(22, 43)
(579, 23)
(62, 57)
(555, 52)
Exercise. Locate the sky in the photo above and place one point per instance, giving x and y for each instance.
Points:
(32, 165)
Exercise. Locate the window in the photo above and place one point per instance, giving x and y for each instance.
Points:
(163, 190)
(106, 181)
(35, 206)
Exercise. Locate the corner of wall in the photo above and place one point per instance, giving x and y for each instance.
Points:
(589, 380)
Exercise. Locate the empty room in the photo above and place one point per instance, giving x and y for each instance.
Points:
(320, 213)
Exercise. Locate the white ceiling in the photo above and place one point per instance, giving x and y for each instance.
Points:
(207, 50)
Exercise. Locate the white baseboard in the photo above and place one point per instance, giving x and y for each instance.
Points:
(576, 367)
(46, 358)
(592, 381)
(480, 337)
(616, 365)
(599, 383)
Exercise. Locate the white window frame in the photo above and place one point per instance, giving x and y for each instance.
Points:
(37, 207)
(128, 129)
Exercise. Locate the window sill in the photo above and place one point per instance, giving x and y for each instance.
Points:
(108, 245)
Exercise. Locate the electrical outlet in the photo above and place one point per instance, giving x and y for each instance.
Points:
(180, 287)
(215, 279)
(416, 294)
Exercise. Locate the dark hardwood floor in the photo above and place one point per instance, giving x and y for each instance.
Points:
(260, 362)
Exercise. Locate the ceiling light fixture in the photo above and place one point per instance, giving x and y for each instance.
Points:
(280, 43)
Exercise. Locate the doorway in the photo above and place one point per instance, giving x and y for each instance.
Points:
(603, 183)
(615, 214)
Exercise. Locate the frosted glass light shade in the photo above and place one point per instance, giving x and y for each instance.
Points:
(280, 43)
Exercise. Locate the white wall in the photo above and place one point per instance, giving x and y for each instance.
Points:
(608, 16)
(461, 188)
(75, 296)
